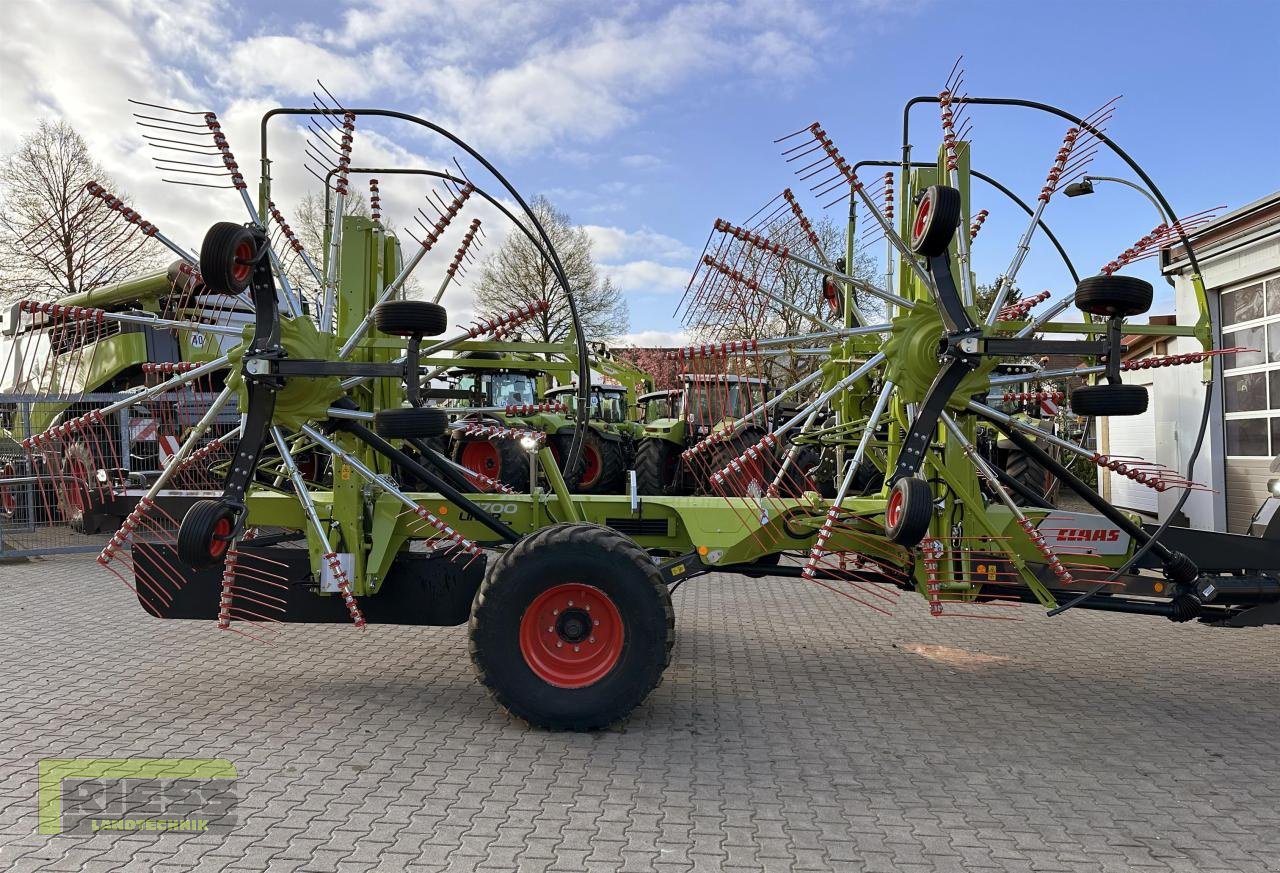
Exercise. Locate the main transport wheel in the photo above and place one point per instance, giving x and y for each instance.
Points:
(410, 318)
(1109, 400)
(572, 627)
(910, 509)
(205, 533)
(503, 460)
(602, 473)
(1109, 296)
(227, 257)
(937, 216)
(410, 423)
(657, 465)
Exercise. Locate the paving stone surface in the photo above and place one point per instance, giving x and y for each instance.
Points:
(794, 731)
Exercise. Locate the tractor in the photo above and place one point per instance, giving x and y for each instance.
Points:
(703, 406)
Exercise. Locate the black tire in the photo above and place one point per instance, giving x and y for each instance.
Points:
(410, 423)
(227, 258)
(657, 466)
(1035, 477)
(608, 465)
(909, 511)
(1109, 296)
(935, 220)
(1091, 400)
(517, 587)
(206, 533)
(560, 446)
(1022, 468)
(755, 474)
(411, 317)
(504, 460)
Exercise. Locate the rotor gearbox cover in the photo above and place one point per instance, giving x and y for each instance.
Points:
(302, 399)
(912, 358)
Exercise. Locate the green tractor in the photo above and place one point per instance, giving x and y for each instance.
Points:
(678, 419)
(506, 393)
(610, 446)
(501, 391)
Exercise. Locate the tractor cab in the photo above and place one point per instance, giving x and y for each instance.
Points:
(710, 401)
(608, 402)
(660, 404)
(498, 387)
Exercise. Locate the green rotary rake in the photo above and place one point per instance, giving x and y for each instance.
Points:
(866, 472)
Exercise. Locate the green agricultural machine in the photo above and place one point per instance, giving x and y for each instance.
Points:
(511, 388)
(56, 370)
(568, 596)
(707, 404)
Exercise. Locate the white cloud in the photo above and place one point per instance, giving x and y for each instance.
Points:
(641, 162)
(647, 277)
(287, 64)
(614, 243)
(591, 84)
(655, 339)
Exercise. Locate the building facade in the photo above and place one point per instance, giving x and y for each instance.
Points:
(1239, 257)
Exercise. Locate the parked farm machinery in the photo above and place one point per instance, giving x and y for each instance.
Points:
(568, 594)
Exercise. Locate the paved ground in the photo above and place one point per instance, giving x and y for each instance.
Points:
(794, 731)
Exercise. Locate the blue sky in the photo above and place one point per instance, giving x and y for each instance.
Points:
(646, 121)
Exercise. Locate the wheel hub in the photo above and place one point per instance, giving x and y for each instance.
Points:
(571, 635)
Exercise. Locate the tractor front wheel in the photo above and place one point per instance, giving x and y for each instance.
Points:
(572, 627)
(603, 471)
(503, 460)
(657, 467)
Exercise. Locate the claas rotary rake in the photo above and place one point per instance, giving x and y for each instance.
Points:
(843, 426)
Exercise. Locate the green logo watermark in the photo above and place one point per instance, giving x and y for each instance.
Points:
(82, 795)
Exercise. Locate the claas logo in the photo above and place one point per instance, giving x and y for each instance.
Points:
(1088, 535)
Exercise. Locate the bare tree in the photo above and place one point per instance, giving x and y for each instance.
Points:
(747, 316)
(55, 238)
(517, 275)
(309, 221)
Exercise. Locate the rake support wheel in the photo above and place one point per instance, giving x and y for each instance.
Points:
(909, 511)
(1119, 399)
(411, 318)
(1111, 296)
(410, 423)
(227, 257)
(572, 627)
(206, 532)
(936, 218)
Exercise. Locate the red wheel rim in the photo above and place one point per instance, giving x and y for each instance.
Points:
(221, 538)
(922, 218)
(482, 458)
(594, 465)
(242, 263)
(571, 636)
(894, 510)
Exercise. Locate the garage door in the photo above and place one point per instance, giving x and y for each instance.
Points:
(1134, 435)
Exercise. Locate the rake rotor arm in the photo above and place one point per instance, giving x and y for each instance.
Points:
(553, 258)
(437, 483)
(1061, 113)
(1018, 201)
